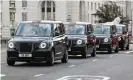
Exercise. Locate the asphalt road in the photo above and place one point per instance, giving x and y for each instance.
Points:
(103, 67)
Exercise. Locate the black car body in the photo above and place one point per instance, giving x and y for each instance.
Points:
(81, 39)
(38, 41)
(122, 31)
(106, 37)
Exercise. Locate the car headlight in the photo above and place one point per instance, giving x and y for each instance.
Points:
(106, 40)
(43, 45)
(79, 42)
(11, 45)
(119, 38)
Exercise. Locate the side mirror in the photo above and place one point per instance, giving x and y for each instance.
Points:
(57, 33)
(113, 32)
(89, 32)
(12, 31)
(12, 34)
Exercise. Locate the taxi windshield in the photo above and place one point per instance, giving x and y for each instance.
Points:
(34, 30)
(76, 29)
(119, 29)
(101, 30)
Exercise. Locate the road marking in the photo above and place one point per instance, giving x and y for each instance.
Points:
(2, 75)
(71, 66)
(111, 56)
(87, 77)
(94, 60)
(2, 62)
(38, 75)
(129, 52)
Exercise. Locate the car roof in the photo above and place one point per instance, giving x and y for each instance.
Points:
(108, 23)
(122, 25)
(66, 22)
(42, 21)
(97, 24)
(80, 23)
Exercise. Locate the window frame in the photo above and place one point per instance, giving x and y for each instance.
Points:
(24, 16)
(24, 3)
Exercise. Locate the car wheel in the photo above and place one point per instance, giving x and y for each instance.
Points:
(110, 49)
(127, 47)
(65, 57)
(122, 46)
(93, 54)
(10, 62)
(84, 55)
(50, 60)
(117, 49)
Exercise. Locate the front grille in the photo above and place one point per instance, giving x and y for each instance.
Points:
(25, 47)
(99, 40)
(72, 42)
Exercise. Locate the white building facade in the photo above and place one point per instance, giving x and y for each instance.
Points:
(78, 10)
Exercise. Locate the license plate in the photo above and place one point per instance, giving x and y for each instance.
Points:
(25, 55)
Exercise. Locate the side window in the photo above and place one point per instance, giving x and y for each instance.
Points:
(56, 30)
(61, 28)
(124, 30)
(89, 29)
(114, 30)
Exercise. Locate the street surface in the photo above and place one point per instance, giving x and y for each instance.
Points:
(103, 67)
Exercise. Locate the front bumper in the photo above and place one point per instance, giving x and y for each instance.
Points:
(103, 46)
(38, 55)
(77, 49)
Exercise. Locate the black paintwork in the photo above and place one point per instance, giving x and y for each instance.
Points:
(75, 49)
(31, 45)
(101, 45)
(124, 38)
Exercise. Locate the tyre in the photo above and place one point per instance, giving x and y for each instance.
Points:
(93, 54)
(122, 46)
(117, 49)
(110, 49)
(127, 47)
(84, 55)
(51, 58)
(65, 57)
(10, 62)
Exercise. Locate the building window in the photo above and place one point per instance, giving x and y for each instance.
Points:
(91, 6)
(98, 4)
(88, 17)
(24, 3)
(88, 6)
(95, 6)
(12, 3)
(1, 16)
(24, 16)
(91, 19)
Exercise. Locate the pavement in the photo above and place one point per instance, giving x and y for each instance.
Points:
(116, 66)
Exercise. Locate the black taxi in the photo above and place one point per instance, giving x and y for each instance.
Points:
(38, 41)
(81, 39)
(106, 37)
(122, 31)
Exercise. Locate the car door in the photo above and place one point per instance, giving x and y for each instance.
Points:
(57, 41)
(114, 36)
(126, 36)
(62, 38)
(90, 38)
